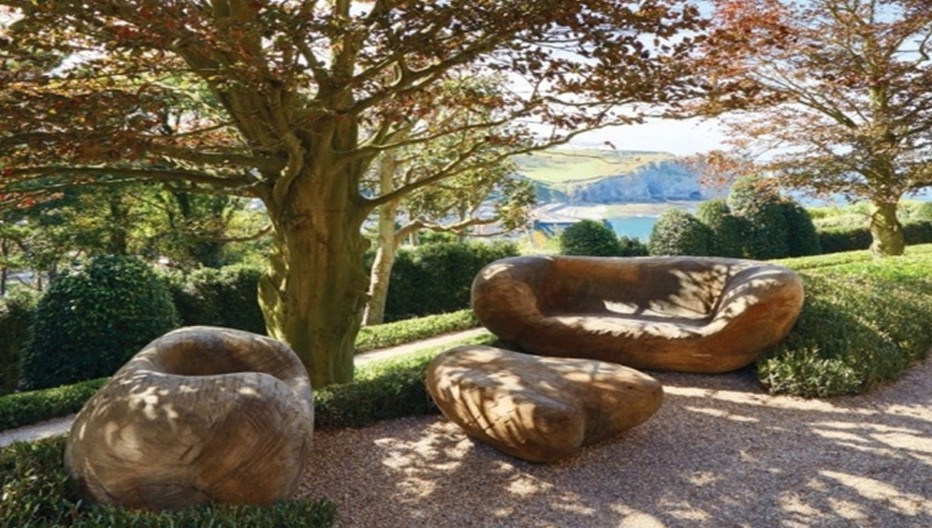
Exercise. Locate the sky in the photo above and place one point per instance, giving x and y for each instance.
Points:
(679, 137)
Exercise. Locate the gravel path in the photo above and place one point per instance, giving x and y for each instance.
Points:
(719, 453)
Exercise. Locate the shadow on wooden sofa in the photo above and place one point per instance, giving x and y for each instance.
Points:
(687, 314)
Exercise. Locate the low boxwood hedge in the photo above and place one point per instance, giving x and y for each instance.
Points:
(863, 323)
(383, 390)
(839, 239)
(35, 492)
(24, 408)
(401, 332)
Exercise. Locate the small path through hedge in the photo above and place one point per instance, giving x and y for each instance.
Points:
(57, 426)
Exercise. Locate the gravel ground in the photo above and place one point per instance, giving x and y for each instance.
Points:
(719, 453)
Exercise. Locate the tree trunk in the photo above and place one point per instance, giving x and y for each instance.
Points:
(886, 231)
(381, 273)
(313, 294)
(4, 271)
(118, 232)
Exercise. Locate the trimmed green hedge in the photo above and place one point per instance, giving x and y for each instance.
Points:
(680, 233)
(727, 229)
(840, 239)
(589, 238)
(36, 492)
(17, 313)
(863, 323)
(383, 390)
(226, 297)
(437, 278)
(401, 332)
(24, 408)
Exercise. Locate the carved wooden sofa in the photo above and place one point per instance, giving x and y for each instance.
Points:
(688, 314)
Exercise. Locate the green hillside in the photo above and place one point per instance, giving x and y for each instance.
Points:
(571, 165)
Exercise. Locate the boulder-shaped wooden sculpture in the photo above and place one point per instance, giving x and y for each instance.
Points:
(688, 314)
(200, 414)
(536, 408)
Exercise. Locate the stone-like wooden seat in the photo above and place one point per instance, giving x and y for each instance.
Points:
(200, 414)
(688, 314)
(536, 408)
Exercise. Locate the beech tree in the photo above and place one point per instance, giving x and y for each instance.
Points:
(481, 197)
(837, 97)
(304, 95)
(485, 195)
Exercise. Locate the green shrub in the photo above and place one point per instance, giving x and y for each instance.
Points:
(727, 229)
(36, 492)
(759, 204)
(837, 240)
(383, 390)
(802, 238)
(24, 408)
(864, 321)
(679, 233)
(225, 297)
(632, 247)
(91, 321)
(16, 315)
(918, 232)
(437, 278)
(396, 391)
(401, 332)
(589, 238)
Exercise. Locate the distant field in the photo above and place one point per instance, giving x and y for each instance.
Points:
(569, 165)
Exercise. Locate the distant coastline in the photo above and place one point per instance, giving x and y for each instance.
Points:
(635, 219)
(605, 211)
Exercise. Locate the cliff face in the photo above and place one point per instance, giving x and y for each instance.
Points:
(657, 181)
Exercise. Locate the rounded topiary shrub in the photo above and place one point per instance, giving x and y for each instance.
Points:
(589, 238)
(16, 315)
(802, 238)
(759, 203)
(91, 321)
(632, 247)
(226, 297)
(679, 233)
(436, 278)
(727, 229)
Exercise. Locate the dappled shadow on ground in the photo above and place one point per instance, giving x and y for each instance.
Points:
(718, 453)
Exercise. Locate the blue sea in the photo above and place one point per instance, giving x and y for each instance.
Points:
(633, 226)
